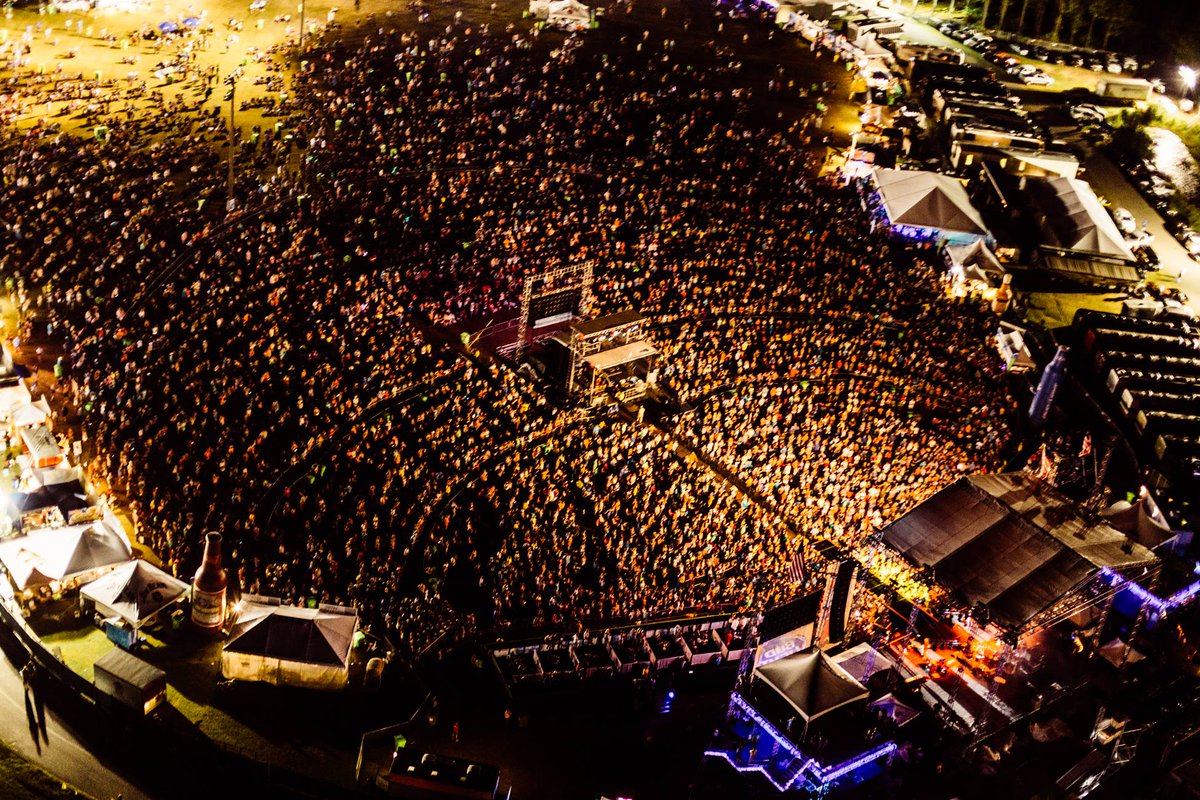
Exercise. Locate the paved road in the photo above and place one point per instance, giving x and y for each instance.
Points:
(1108, 181)
(60, 753)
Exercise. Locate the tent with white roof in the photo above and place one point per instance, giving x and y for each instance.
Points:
(929, 202)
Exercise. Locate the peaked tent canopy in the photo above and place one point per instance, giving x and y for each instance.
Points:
(60, 553)
(27, 415)
(135, 592)
(13, 397)
(900, 712)
(811, 682)
(1114, 652)
(568, 14)
(291, 646)
(929, 200)
(976, 260)
(1060, 164)
(1009, 544)
(1072, 218)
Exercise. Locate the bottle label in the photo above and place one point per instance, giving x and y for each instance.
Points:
(208, 608)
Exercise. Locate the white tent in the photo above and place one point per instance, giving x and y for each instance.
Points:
(900, 712)
(55, 555)
(41, 477)
(27, 415)
(539, 9)
(928, 200)
(42, 446)
(569, 15)
(1010, 341)
(976, 262)
(1063, 164)
(288, 646)
(135, 592)
(13, 397)
(811, 682)
(1072, 218)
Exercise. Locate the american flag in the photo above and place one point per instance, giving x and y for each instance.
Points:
(1047, 470)
(796, 569)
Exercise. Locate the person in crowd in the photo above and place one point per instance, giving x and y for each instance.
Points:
(289, 373)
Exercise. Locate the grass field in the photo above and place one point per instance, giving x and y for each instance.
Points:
(1056, 309)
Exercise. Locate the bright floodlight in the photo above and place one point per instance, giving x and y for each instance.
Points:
(1189, 76)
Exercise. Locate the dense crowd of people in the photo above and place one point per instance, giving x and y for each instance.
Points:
(290, 376)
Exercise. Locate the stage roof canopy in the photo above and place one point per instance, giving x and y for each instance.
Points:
(811, 682)
(621, 355)
(589, 327)
(930, 200)
(1007, 543)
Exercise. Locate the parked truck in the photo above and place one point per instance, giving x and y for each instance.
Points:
(1124, 88)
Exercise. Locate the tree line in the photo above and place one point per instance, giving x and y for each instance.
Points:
(1159, 28)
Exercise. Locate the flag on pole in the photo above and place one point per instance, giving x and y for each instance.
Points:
(1086, 449)
(796, 569)
(1040, 458)
(1046, 469)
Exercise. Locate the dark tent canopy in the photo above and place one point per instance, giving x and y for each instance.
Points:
(811, 682)
(1007, 543)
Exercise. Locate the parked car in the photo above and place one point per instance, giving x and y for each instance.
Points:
(1156, 186)
(1139, 239)
(1191, 243)
(1086, 112)
(1037, 79)
(1098, 134)
(1125, 221)
(1146, 257)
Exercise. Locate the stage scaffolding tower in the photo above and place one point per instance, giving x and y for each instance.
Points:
(561, 281)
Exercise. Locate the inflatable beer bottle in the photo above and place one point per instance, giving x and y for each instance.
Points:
(1003, 296)
(208, 587)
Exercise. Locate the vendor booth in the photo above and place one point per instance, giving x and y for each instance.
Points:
(136, 594)
(12, 397)
(76, 553)
(570, 15)
(31, 415)
(288, 646)
(42, 447)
